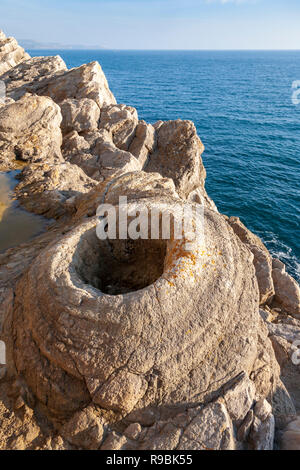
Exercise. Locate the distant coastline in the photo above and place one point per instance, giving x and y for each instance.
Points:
(35, 45)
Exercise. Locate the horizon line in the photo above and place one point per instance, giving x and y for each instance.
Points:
(162, 50)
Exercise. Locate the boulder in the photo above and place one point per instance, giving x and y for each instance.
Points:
(98, 156)
(121, 393)
(263, 434)
(178, 156)
(11, 54)
(239, 398)
(291, 436)
(84, 430)
(144, 142)
(174, 322)
(262, 409)
(262, 259)
(30, 132)
(27, 76)
(51, 189)
(79, 115)
(287, 290)
(210, 430)
(87, 81)
(121, 121)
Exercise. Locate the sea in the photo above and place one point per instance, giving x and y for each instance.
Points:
(245, 109)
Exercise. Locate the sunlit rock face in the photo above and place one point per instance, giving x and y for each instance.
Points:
(131, 342)
(11, 54)
(126, 324)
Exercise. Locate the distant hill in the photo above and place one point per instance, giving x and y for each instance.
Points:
(30, 44)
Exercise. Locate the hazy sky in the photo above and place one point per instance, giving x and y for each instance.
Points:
(156, 24)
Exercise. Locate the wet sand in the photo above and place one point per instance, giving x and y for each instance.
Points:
(16, 225)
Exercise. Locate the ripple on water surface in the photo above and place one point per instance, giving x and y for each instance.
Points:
(16, 225)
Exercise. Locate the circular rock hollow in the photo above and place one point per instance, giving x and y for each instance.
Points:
(119, 266)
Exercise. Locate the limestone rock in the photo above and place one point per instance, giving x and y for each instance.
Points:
(162, 436)
(121, 393)
(144, 142)
(154, 186)
(27, 76)
(121, 121)
(245, 427)
(51, 189)
(265, 370)
(288, 332)
(210, 430)
(114, 442)
(11, 53)
(287, 291)
(282, 402)
(206, 298)
(99, 158)
(79, 115)
(262, 259)
(263, 434)
(262, 409)
(133, 431)
(30, 131)
(291, 436)
(84, 430)
(178, 156)
(87, 81)
(239, 398)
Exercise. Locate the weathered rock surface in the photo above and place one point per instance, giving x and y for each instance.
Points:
(74, 286)
(178, 156)
(30, 132)
(125, 344)
(79, 115)
(98, 156)
(263, 433)
(121, 121)
(28, 75)
(144, 142)
(262, 259)
(51, 189)
(84, 430)
(287, 290)
(239, 398)
(210, 430)
(291, 436)
(11, 53)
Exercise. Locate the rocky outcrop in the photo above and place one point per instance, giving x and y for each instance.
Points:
(287, 290)
(11, 54)
(87, 81)
(51, 189)
(30, 132)
(142, 366)
(262, 259)
(121, 121)
(131, 344)
(97, 155)
(291, 436)
(79, 115)
(27, 76)
(178, 156)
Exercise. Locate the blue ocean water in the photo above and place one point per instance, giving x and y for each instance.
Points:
(242, 107)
